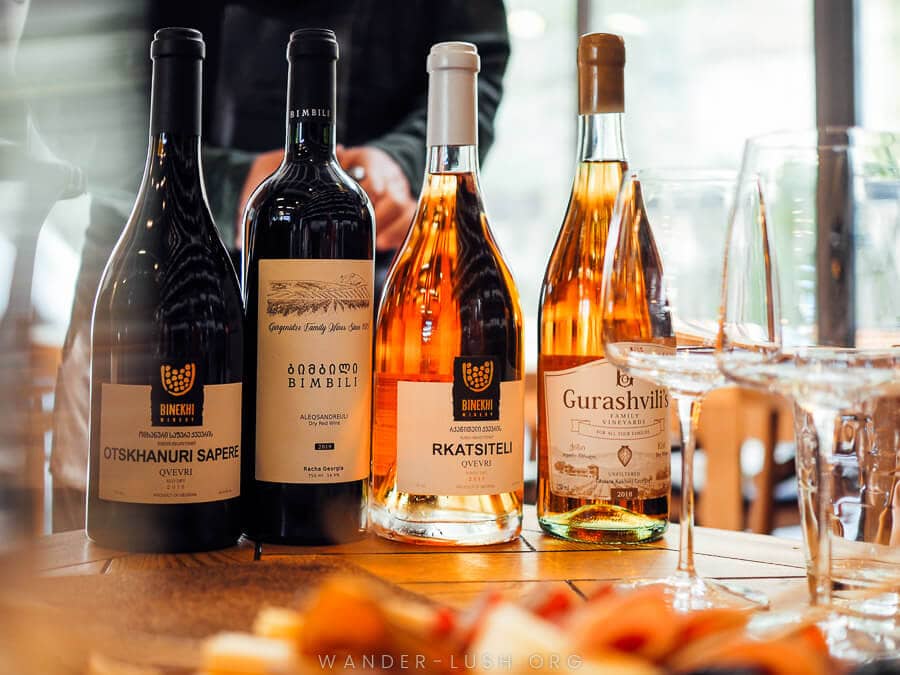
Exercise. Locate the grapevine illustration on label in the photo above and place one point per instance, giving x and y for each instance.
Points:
(311, 296)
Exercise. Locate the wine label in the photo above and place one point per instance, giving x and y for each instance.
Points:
(608, 434)
(463, 437)
(173, 442)
(314, 370)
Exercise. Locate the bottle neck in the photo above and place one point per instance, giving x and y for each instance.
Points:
(175, 96)
(601, 137)
(453, 159)
(310, 118)
(170, 152)
(173, 176)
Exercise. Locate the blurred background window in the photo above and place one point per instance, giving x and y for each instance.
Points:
(82, 68)
(528, 174)
(877, 63)
(700, 77)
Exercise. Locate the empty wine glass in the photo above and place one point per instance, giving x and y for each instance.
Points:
(811, 310)
(661, 297)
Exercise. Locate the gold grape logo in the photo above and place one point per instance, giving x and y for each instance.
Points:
(178, 381)
(476, 389)
(478, 378)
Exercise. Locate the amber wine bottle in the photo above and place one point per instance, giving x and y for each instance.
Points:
(166, 355)
(449, 396)
(309, 290)
(603, 460)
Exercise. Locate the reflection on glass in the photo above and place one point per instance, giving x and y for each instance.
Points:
(810, 310)
(660, 306)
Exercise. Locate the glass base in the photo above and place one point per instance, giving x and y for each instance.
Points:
(446, 527)
(687, 592)
(859, 639)
(851, 638)
(642, 531)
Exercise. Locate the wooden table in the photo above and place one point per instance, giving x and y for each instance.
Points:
(457, 575)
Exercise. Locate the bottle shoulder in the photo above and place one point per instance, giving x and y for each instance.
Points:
(304, 186)
(452, 274)
(167, 266)
(309, 211)
(578, 252)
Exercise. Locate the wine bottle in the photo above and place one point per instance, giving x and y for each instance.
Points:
(603, 460)
(309, 290)
(449, 393)
(166, 361)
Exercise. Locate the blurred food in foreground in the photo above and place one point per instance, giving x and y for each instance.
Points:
(349, 625)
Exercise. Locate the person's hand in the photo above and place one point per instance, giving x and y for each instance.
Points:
(387, 187)
(263, 166)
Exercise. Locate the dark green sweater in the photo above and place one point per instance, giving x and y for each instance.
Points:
(382, 83)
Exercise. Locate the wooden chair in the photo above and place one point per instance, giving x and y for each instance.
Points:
(44, 362)
(728, 418)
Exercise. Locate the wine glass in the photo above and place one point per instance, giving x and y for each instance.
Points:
(661, 294)
(811, 310)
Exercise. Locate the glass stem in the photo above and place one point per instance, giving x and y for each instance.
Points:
(826, 422)
(689, 416)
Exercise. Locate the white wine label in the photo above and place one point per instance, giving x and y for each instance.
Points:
(461, 438)
(314, 370)
(176, 443)
(608, 434)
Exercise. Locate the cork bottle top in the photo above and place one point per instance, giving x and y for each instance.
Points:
(601, 74)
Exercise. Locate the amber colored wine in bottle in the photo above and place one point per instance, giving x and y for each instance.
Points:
(449, 395)
(603, 456)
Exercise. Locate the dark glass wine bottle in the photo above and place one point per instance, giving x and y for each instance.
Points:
(166, 362)
(308, 285)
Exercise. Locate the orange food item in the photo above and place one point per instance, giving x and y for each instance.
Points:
(551, 602)
(603, 591)
(802, 652)
(445, 622)
(343, 617)
(702, 623)
(640, 622)
(470, 620)
(352, 620)
(813, 638)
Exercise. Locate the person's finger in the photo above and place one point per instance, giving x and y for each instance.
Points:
(397, 189)
(386, 210)
(366, 184)
(345, 155)
(373, 184)
(390, 235)
(375, 180)
(351, 156)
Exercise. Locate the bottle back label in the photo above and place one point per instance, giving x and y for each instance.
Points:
(463, 437)
(176, 441)
(607, 433)
(314, 370)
